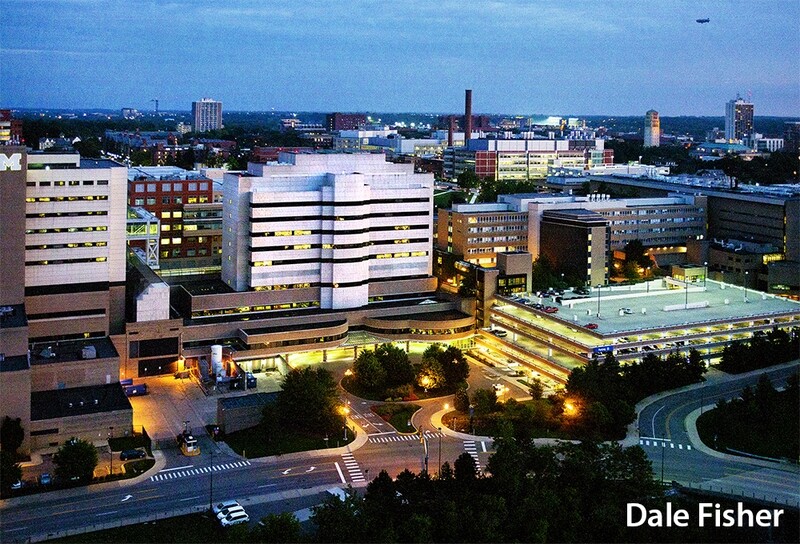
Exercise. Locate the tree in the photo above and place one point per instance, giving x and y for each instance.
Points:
(11, 435)
(430, 374)
(485, 401)
(10, 471)
(468, 179)
(464, 468)
(536, 389)
(75, 459)
(283, 527)
(396, 364)
(455, 366)
(369, 372)
(338, 520)
(461, 399)
(309, 401)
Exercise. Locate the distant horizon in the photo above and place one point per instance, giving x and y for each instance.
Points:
(324, 112)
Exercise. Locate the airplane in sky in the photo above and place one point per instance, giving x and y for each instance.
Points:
(703, 21)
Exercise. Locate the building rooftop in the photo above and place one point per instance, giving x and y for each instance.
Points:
(100, 163)
(653, 307)
(78, 401)
(65, 351)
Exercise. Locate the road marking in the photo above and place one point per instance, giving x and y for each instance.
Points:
(267, 485)
(107, 513)
(20, 529)
(176, 468)
(483, 446)
(653, 422)
(671, 445)
(287, 471)
(310, 469)
(181, 472)
(339, 470)
(127, 498)
(190, 498)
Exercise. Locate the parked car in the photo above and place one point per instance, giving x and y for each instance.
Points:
(223, 505)
(550, 309)
(127, 455)
(235, 518)
(626, 311)
(227, 512)
(500, 333)
(591, 326)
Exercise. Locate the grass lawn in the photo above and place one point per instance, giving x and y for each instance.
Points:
(444, 200)
(398, 415)
(251, 443)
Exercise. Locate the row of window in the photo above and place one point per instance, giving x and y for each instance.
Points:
(399, 255)
(71, 183)
(67, 261)
(165, 200)
(65, 198)
(337, 246)
(58, 230)
(169, 187)
(63, 214)
(306, 232)
(71, 245)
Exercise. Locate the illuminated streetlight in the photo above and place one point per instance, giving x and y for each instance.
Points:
(746, 274)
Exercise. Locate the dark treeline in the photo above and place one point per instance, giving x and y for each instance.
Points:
(762, 350)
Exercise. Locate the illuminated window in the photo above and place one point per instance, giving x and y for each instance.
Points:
(164, 228)
(177, 215)
(165, 241)
(165, 215)
(176, 240)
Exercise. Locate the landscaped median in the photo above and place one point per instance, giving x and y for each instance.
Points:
(397, 415)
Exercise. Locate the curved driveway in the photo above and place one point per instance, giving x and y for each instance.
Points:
(677, 454)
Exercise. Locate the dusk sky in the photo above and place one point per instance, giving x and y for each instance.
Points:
(581, 57)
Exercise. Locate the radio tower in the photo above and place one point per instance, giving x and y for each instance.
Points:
(156, 101)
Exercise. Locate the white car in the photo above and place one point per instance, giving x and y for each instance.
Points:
(225, 512)
(223, 505)
(235, 518)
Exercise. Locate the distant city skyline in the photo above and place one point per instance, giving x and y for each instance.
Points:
(595, 58)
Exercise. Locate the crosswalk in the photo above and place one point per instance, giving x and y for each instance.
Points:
(351, 465)
(172, 474)
(383, 439)
(472, 449)
(663, 444)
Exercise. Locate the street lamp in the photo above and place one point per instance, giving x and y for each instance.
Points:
(344, 410)
(705, 274)
(439, 466)
(211, 480)
(746, 274)
(598, 299)
(110, 451)
(686, 288)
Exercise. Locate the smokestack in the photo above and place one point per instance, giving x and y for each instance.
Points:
(467, 116)
(450, 132)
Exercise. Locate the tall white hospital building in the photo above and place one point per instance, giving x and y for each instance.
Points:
(334, 231)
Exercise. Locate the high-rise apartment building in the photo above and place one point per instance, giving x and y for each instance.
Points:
(207, 115)
(10, 128)
(345, 121)
(738, 119)
(652, 129)
(328, 230)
